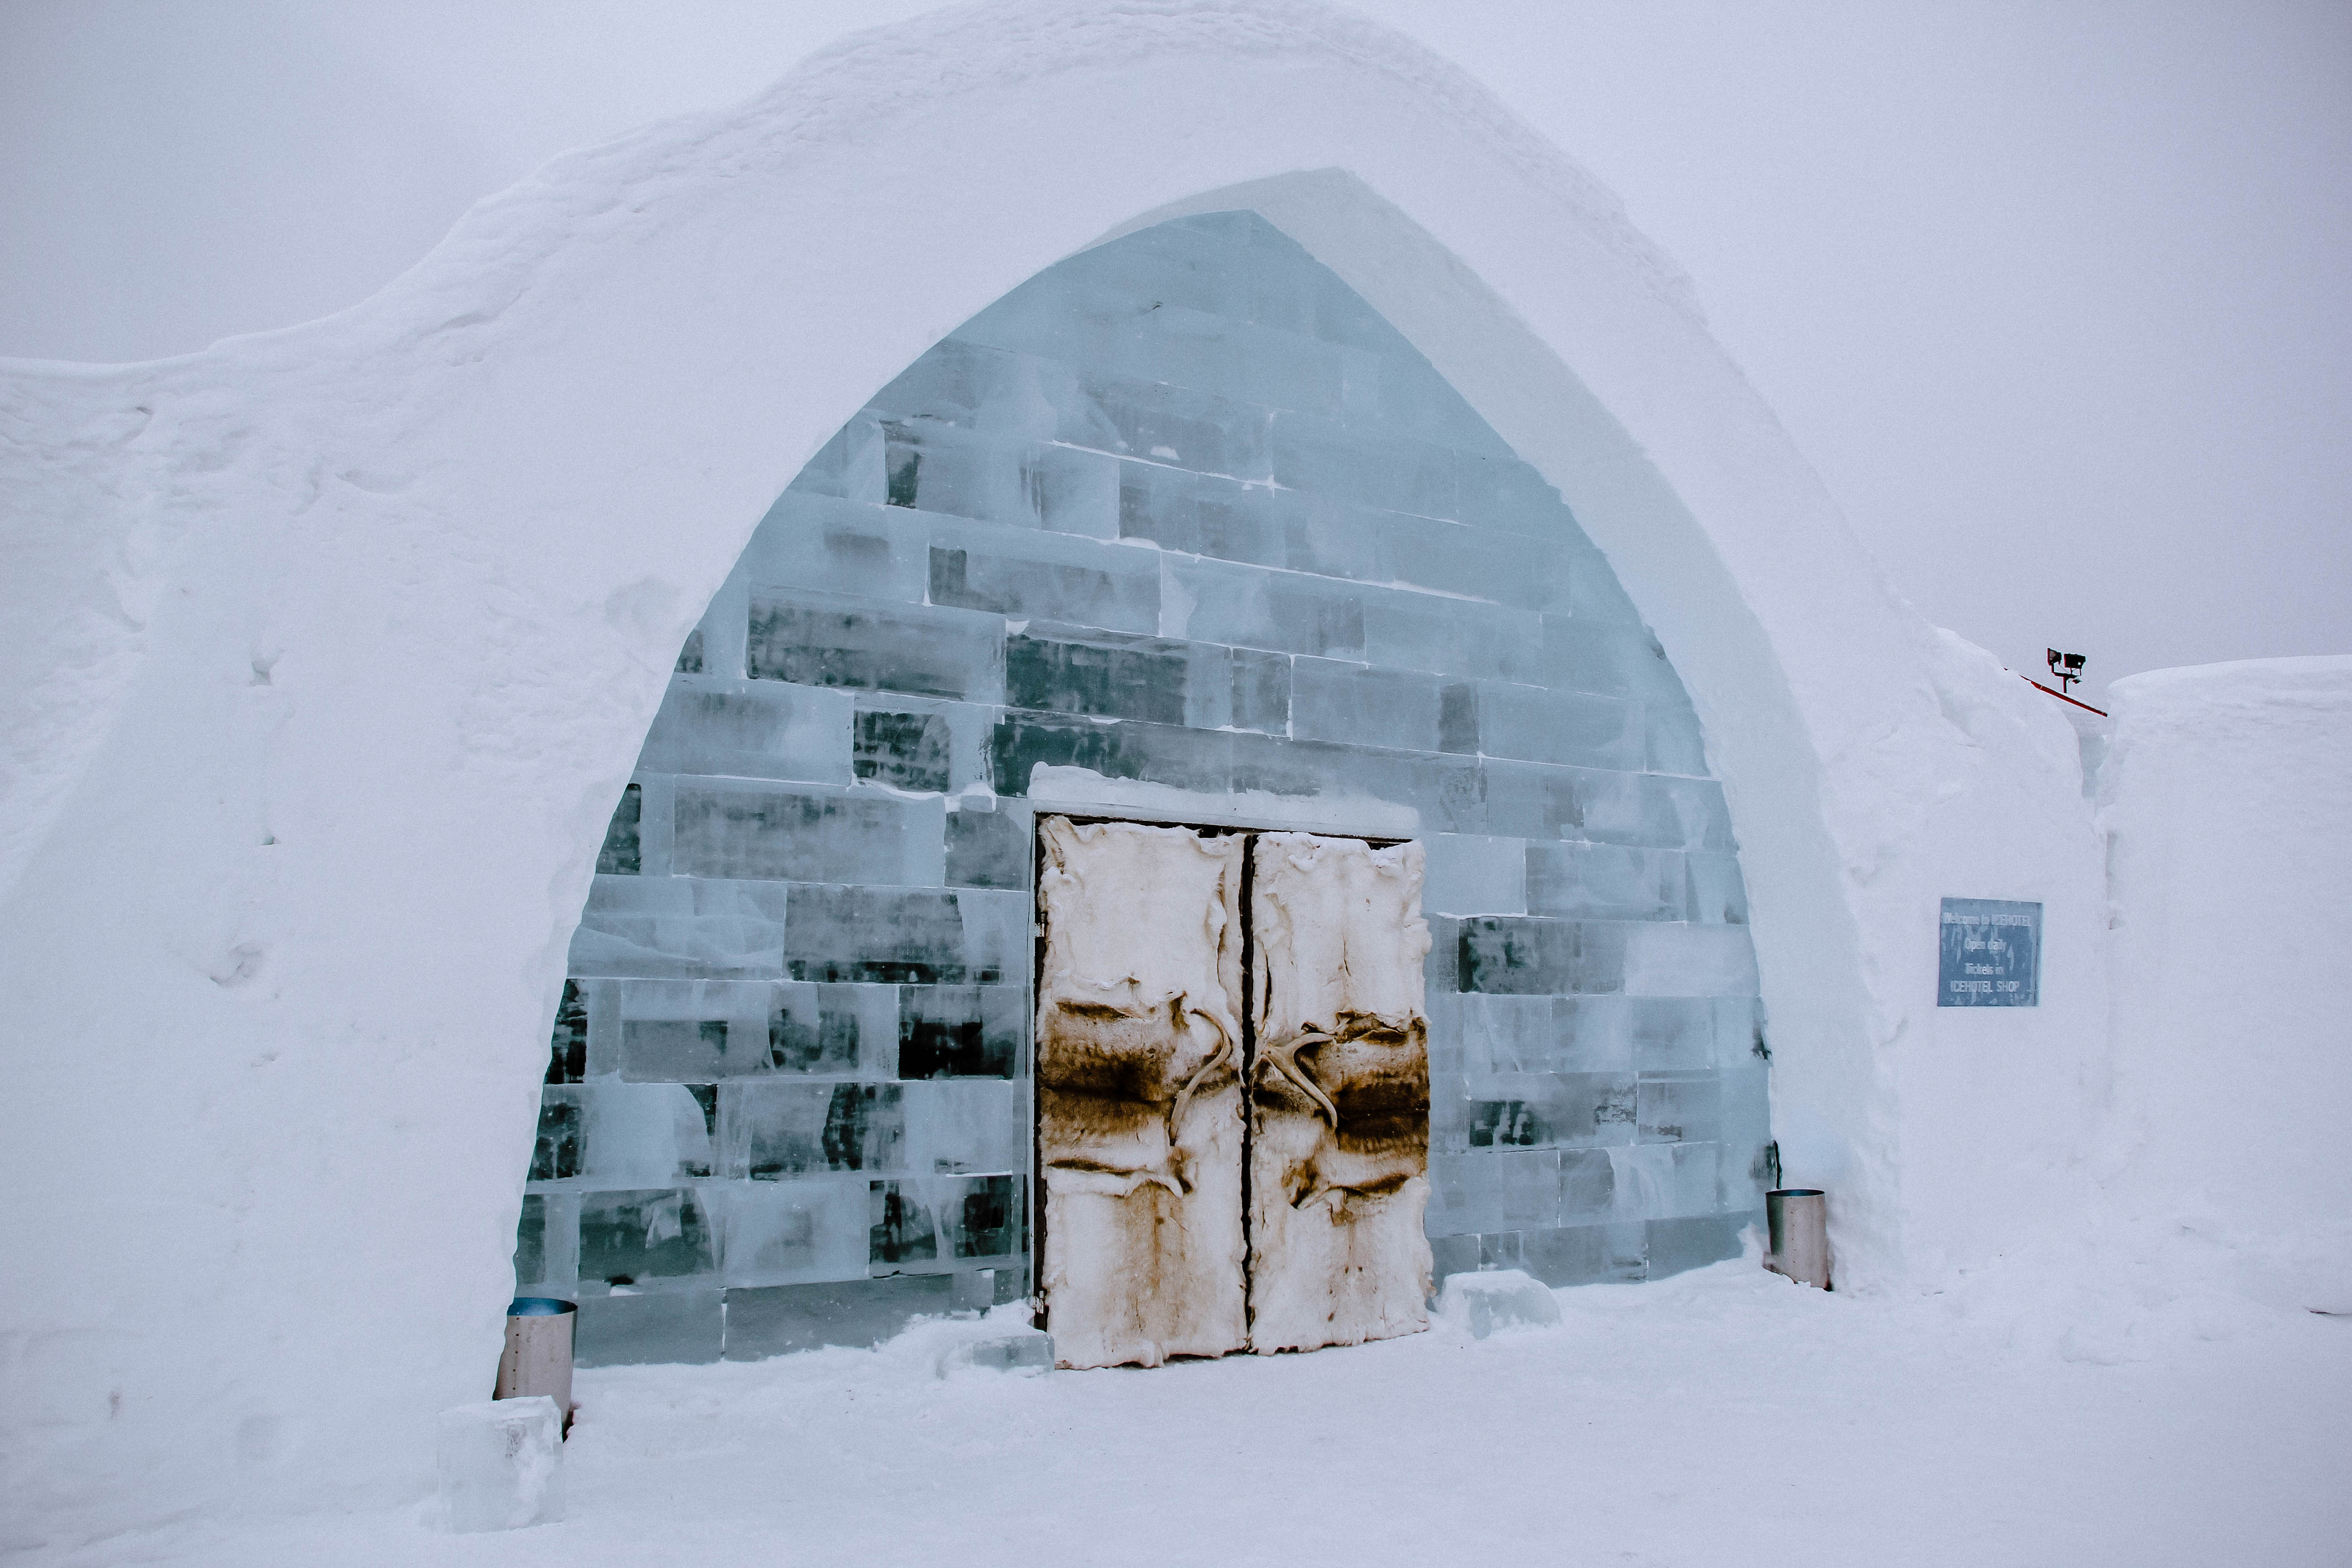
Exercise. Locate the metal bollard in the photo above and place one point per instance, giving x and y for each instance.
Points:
(538, 1355)
(1799, 1218)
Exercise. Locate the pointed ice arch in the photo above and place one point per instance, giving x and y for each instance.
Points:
(1180, 528)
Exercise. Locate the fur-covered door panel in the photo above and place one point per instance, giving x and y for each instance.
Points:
(1138, 1096)
(1339, 1093)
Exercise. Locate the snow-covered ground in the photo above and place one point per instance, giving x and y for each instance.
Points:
(1722, 1416)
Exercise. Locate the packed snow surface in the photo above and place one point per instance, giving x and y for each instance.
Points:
(1722, 1416)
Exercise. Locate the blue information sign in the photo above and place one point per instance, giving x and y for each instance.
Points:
(1992, 955)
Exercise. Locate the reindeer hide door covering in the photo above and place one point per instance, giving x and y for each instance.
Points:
(1339, 1093)
(1138, 1092)
(1141, 1063)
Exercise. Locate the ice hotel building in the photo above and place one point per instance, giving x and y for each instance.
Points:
(1087, 644)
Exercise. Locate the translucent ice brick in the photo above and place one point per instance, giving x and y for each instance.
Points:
(1371, 545)
(1363, 706)
(973, 387)
(1530, 800)
(907, 751)
(1483, 1303)
(890, 936)
(735, 831)
(815, 640)
(811, 543)
(683, 1324)
(773, 1130)
(1204, 514)
(1473, 875)
(1673, 960)
(1550, 1110)
(1074, 492)
(1699, 811)
(1506, 1034)
(772, 1321)
(1399, 475)
(750, 729)
(1716, 895)
(791, 1232)
(1594, 593)
(1604, 881)
(955, 473)
(1675, 743)
(1684, 1109)
(1045, 576)
(848, 467)
(1442, 792)
(556, 1154)
(1746, 1107)
(640, 1134)
(1567, 727)
(1499, 493)
(1671, 1033)
(1530, 956)
(679, 926)
(902, 1227)
(982, 1217)
(1452, 1255)
(1592, 1033)
(1509, 1124)
(670, 1050)
(1587, 1253)
(1493, 1191)
(1676, 1244)
(1607, 659)
(530, 1242)
(1184, 427)
(555, 1255)
(1246, 607)
(967, 1125)
(961, 1031)
(1450, 636)
(1198, 760)
(1741, 1040)
(626, 1237)
(988, 849)
(1588, 1110)
(1107, 677)
(1665, 1181)
(621, 855)
(820, 1029)
(501, 1465)
(568, 1049)
(1588, 1185)
(1012, 1347)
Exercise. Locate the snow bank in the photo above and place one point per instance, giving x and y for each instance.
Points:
(330, 649)
(2227, 800)
(1721, 1416)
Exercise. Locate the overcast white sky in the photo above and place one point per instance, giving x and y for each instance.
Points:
(2057, 297)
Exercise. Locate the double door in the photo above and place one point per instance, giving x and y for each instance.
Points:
(1232, 1091)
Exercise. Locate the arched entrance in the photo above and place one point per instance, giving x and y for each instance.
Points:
(1179, 530)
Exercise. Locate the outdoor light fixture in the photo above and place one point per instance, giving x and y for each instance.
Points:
(2066, 666)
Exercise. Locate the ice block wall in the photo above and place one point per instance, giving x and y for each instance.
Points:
(1182, 519)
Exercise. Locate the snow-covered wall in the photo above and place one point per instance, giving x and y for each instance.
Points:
(2227, 802)
(324, 654)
